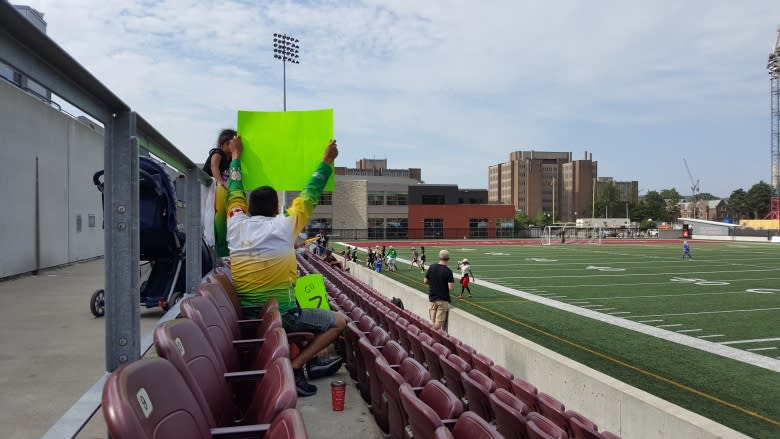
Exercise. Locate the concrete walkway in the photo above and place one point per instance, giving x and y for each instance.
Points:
(52, 351)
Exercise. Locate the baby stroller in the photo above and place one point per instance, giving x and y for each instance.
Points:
(162, 242)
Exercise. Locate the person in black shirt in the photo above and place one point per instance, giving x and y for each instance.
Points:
(440, 282)
(217, 165)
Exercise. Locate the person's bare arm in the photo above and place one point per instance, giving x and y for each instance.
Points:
(450, 286)
(215, 159)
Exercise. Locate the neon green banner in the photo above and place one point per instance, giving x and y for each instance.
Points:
(282, 149)
(310, 292)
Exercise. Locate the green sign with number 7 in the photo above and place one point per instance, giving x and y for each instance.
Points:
(310, 292)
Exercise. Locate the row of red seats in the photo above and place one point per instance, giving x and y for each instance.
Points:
(219, 375)
(515, 407)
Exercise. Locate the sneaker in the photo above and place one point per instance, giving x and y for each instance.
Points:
(323, 367)
(302, 386)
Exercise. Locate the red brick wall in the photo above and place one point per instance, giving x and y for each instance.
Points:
(456, 217)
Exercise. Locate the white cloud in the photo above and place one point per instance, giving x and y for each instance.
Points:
(449, 86)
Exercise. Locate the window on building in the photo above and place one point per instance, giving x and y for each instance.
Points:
(376, 228)
(433, 228)
(478, 227)
(317, 224)
(433, 199)
(396, 228)
(396, 198)
(376, 198)
(505, 227)
(326, 199)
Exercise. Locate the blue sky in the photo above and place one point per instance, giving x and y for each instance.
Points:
(453, 87)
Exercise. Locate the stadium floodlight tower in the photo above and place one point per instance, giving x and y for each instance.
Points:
(285, 49)
(773, 66)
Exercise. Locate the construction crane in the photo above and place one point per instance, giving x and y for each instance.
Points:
(694, 186)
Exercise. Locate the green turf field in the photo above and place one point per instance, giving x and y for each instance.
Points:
(728, 295)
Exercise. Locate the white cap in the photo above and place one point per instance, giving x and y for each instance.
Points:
(465, 261)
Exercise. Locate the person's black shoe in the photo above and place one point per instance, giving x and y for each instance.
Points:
(323, 367)
(302, 386)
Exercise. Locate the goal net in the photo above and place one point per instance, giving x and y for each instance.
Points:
(554, 235)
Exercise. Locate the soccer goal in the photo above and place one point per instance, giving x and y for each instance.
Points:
(567, 234)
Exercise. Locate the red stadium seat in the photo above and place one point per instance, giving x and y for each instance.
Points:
(510, 414)
(540, 427)
(478, 388)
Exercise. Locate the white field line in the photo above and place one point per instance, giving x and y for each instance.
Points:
(669, 326)
(675, 260)
(689, 330)
(618, 313)
(712, 336)
(686, 340)
(760, 349)
(665, 282)
(706, 312)
(755, 340)
(557, 297)
(590, 275)
(649, 321)
(607, 309)
(593, 306)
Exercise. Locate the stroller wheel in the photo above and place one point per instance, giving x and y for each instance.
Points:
(175, 298)
(98, 303)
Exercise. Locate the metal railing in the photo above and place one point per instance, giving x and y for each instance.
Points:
(28, 50)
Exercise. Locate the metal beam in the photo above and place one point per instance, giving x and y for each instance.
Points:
(27, 49)
(193, 225)
(122, 242)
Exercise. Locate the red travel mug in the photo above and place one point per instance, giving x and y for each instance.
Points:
(337, 391)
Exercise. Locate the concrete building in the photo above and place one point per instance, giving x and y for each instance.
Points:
(445, 211)
(543, 182)
(626, 190)
(708, 210)
(378, 168)
(369, 201)
(17, 77)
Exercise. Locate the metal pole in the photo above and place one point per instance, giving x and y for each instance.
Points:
(37, 219)
(284, 83)
(194, 232)
(123, 245)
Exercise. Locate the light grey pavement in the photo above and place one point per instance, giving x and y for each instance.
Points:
(52, 351)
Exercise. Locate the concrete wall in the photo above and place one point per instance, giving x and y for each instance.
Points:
(350, 205)
(613, 405)
(68, 153)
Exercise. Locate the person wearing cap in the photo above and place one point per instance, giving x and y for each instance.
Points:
(440, 282)
(465, 277)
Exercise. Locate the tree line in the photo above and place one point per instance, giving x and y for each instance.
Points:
(663, 206)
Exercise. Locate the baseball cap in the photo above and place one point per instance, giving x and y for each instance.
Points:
(444, 254)
(465, 261)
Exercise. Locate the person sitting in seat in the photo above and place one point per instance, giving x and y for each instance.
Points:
(332, 260)
(262, 254)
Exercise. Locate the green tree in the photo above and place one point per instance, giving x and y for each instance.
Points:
(738, 206)
(671, 194)
(608, 204)
(522, 221)
(654, 207)
(541, 219)
(708, 196)
(758, 199)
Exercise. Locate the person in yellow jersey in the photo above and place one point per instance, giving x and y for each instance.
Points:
(262, 256)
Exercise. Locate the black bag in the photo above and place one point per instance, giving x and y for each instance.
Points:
(397, 302)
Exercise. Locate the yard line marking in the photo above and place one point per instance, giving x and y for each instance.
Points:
(649, 321)
(689, 330)
(624, 322)
(669, 326)
(755, 340)
(579, 303)
(606, 309)
(590, 275)
(711, 336)
(619, 312)
(645, 372)
(556, 297)
(761, 349)
(592, 306)
(709, 312)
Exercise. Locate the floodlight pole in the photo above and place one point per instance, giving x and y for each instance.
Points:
(285, 49)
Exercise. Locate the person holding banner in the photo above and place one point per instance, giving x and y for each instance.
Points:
(216, 166)
(261, 241)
